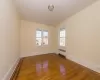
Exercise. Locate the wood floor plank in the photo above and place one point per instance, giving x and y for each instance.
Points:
(53, 67)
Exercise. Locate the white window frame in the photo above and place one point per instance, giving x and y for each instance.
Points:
(61, 29)
(39, 37)
(42, 37)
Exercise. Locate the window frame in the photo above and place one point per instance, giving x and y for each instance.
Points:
(42, 36)
(38, 37)
(61, 29)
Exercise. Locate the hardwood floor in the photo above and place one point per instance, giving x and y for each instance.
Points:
(52, 67)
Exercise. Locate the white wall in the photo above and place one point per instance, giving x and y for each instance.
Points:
(28, 39)
(9, 37)
(83, 36)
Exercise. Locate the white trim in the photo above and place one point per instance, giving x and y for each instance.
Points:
(84, 63)
(35, 53)
(11, 70)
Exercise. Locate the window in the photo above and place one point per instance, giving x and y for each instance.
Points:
(45, 37)
(62, 37)
(41, 37)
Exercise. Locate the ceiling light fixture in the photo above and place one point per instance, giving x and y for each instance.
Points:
(51, 7)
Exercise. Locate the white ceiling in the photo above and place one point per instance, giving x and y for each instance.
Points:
(37, 10)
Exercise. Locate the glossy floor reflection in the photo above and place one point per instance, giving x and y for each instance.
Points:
(40, 67)
(62, 70)
(52, 67)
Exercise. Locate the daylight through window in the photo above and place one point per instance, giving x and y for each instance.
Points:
(62, 37)
(41, 37)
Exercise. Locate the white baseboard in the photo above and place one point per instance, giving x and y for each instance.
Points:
(84, 63)
(35, 53)
(11, 70)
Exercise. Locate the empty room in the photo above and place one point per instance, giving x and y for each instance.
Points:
(49, 39)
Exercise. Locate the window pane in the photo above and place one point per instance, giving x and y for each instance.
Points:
(45, 41)
(62, 33)
(45, 34)
(62, 41)
(38, 41)
(38, 33)
(45, 37)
